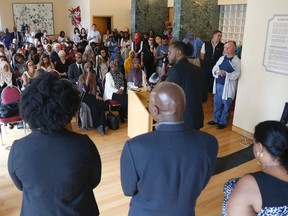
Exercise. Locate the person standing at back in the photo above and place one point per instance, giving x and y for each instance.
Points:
(210, 52)
(161, 54)
(165, 170)
(196, 42)
(17, 35)
(226, 73)
(94, 35)
(190, 78)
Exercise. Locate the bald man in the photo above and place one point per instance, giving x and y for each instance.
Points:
(165, 170)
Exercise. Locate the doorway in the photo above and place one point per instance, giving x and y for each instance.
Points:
(103, 23)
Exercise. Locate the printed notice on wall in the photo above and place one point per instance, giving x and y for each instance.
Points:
(276, 48)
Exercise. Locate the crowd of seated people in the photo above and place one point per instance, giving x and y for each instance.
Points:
(106, 68)
(31, 54)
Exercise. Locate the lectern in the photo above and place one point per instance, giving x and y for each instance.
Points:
(139, 118)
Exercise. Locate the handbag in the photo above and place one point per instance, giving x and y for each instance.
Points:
(9, 110)
(112, 121)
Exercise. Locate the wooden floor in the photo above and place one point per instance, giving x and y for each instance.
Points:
(110, 198)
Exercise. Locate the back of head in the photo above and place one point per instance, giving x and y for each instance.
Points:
(49, 103)
(273, 135)
(181, 46)
(167, 102)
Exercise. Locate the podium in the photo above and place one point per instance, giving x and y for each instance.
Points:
(139, 118)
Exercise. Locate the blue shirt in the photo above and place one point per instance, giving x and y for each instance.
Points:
(197, 44)
(160, 51)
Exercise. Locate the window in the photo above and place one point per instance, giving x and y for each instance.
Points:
(232, 22)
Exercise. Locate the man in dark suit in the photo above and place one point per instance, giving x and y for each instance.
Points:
(75, 69)
(191, 80)
(17, 35)
(165, 170)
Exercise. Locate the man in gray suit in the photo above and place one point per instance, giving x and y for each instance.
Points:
(165, 170)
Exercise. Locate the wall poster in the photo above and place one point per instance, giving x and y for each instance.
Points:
(276, 47)
(36, 15)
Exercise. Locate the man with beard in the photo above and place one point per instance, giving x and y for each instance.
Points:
(190, 78)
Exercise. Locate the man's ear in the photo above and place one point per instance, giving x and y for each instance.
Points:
(178, 53)
(155, 110)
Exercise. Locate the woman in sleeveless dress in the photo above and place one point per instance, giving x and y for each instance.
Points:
(29, 74)
(265, 192)
(45, 63)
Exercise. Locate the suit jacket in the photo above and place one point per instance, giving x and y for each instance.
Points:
(12, 36)
(54, 57)
(56, 172)
(190, 78)
(165, 170)
(74, 73)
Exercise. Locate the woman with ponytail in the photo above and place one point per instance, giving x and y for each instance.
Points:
(264, 192)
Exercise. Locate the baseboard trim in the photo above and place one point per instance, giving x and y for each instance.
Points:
(242, 132)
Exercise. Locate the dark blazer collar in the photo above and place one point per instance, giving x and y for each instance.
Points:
(171, 126)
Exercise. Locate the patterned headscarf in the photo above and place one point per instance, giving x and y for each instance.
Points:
(117, 76)
(135, 75)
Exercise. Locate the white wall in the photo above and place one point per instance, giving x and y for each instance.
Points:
(119, 10)
(170, 3)
(85, 14)
(261, 94)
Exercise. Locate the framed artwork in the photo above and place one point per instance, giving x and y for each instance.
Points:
(35, 15)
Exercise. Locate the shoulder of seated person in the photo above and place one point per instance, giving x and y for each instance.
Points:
(248, 182)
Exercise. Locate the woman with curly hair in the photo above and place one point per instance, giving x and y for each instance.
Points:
(87, 85)
(55, 168)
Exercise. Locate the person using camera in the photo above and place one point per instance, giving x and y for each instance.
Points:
(190, 78)
(160, 54)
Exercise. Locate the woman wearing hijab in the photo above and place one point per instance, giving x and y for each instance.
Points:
(87, 85)
(136, 77)
(114, 88)
(137, 45)
(128, 62)
(6, 76)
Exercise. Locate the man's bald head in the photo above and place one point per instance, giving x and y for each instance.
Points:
(167, 102)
